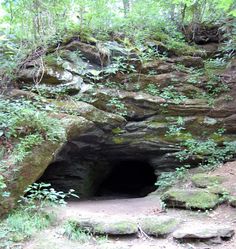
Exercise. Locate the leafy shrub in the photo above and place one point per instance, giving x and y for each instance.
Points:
(167, 179)
(38, 195)
(210, 153)
(22, 121)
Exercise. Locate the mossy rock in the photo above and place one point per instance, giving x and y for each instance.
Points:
(158, 226)
(217, 189)
(202, 180)
(190, 199)
(116, 228)
(232, 201)
(111, 227)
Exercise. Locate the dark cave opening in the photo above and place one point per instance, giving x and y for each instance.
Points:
(119, 178)
(128, 178)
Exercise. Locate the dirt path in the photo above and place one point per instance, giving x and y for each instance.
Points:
(132, 207)
(111, 208)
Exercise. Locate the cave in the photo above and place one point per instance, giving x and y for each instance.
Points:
(128, 178)
(104, 179)
(96, 164)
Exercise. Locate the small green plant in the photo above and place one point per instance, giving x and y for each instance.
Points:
(152, 89)
(171, 94)
(168, 179)
(217, 63)
(39, 195)
(177, 128)
(73, 232)
(121, 64)
(117, 106)
(148, 55)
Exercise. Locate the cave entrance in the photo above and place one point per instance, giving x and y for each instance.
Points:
(102, 178)
(129, 178)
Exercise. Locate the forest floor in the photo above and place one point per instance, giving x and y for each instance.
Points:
(110, 208)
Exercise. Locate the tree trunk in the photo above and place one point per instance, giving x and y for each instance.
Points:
(126, 4)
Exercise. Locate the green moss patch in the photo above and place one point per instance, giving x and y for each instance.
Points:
(116, 228)
(202, 180)
(158, 226)
(111, 227)
(190, 199)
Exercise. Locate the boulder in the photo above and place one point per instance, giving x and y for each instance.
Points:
(201, 231)
(190, 199)
(203, 180)
(119, 226)
(158, 226)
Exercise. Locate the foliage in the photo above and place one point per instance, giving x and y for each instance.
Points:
(152, 89)
(176, 128)
(169, 93)
(210, 153)
(121, 64)
(32, 24)
(73, 232)
(21, 120)
(39, 195)
(167, 179)
(117, 106)
(21, 225)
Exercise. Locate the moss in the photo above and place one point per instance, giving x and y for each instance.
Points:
(158, 226)
(51, 60)
(118, 140)
(191, 199)
(203, 180)
(116, 228)
(180, 137)
(157, 124)
(217, 189)
(117, 131)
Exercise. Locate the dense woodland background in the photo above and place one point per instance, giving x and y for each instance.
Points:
(26, 25)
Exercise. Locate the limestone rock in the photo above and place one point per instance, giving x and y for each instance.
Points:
(50, 75)
(91, 53)
(102, 119)
(158, 225)
(190, 199)
(200, 231)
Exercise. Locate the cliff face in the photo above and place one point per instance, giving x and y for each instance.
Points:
(121, 105)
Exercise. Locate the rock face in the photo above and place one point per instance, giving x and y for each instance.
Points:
(124, 112)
